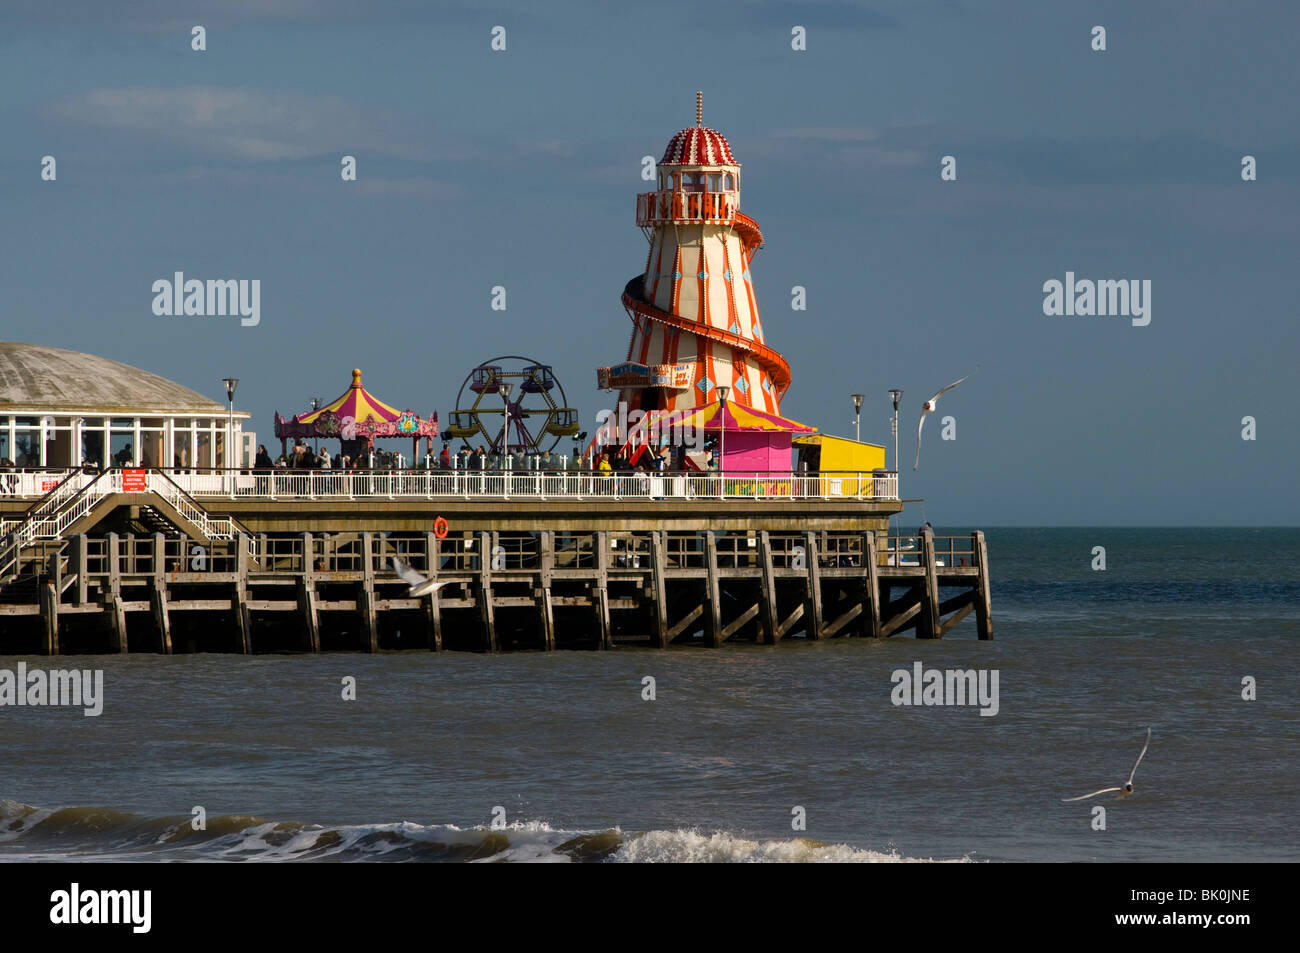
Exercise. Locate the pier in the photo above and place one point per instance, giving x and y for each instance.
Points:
(535, 561)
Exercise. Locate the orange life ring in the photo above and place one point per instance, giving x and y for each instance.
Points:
(440, 528)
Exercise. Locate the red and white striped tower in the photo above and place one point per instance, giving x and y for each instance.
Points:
(694, 311)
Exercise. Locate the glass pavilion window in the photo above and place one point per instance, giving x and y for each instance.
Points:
(92, 441)
(27, 442)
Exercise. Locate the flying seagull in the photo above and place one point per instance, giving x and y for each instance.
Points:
(420, 585)
(1124, 791)
(926, 408)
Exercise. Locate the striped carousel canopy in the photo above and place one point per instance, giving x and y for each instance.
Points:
(713, 417)
(357, 414)
(357, 403)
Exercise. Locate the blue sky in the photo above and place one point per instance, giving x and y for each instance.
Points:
(520, 168)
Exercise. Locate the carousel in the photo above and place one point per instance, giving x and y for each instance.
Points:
(357, 419)
(743, 439)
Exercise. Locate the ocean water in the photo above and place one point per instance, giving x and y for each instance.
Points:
(564, 751)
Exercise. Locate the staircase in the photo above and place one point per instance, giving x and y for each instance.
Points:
(77, 495)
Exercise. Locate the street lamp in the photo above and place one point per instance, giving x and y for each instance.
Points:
(857, 416)
(503, 388)
(231, 383)
(723, 392)
(895, 395)
(315, 406)
(578, 438)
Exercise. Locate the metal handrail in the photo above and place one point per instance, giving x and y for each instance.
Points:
(692, 486)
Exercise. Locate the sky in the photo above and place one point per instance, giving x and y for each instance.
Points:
(520, 168)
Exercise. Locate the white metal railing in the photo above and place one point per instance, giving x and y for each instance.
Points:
(30, 484)
(213, 527)
(79, 494)
(175, 484)
(533, 484)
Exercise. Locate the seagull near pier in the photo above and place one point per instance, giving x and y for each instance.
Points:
(420, 585)
(928, 407)
(1127, 788)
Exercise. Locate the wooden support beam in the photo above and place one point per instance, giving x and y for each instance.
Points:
(901, 620)
(927, 624)
(659, 565)
(960, 614)
(714, 634)
(957, 602)
(366, 595)
(158, 603)
(814, 601)
(842, 620)
(243, 614)
(912, 598)
(54, 570)
(77, 555)
(871, 569)
(790, 620)
(768, 583)
(117, 612)
(983, 605)
(49, 620)
(545, 611)
(433, 605)
(487, 613)
(158, 595)
(734, 626)
(310, 612)
(600, 592)
(901, 614)
(685, 621)
(604, 630)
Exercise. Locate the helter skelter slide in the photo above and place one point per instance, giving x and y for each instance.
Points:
(694, 313)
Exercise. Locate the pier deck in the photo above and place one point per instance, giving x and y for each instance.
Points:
(541, 590)
(164, 561)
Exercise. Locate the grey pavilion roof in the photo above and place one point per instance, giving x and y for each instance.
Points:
(41, 379)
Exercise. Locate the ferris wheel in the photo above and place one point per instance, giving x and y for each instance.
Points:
(510, 404)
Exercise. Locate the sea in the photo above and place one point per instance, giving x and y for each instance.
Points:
(789, 753)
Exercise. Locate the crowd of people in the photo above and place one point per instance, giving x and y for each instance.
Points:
(302, 457)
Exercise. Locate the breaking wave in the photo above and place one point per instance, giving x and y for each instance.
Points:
(104, 834)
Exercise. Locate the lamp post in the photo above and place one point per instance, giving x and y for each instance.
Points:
(857, 416)
(503, 388)
(315, 406)
(895, 395)
(231, 383)
(723, 392)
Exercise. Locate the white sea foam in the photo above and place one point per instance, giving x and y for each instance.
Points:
(694, 847)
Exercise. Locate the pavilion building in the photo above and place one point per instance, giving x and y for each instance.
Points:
(62, 408)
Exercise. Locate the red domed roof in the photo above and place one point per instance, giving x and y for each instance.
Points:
(698, 145)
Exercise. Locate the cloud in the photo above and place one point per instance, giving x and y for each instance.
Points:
(168, 16)
(836, 14)
(252, 124)
(828, 134)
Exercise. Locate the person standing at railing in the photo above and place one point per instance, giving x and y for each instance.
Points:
(323, 459)
(445, 457)
(263, 459)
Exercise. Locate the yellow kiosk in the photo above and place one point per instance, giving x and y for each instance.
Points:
(846, 466)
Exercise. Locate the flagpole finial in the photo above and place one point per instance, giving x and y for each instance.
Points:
(699, 108)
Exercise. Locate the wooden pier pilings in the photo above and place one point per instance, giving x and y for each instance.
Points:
(543, 590)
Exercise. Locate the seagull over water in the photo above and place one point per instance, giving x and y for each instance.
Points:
(1127, 788)
(420, 585)
(926, 408)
